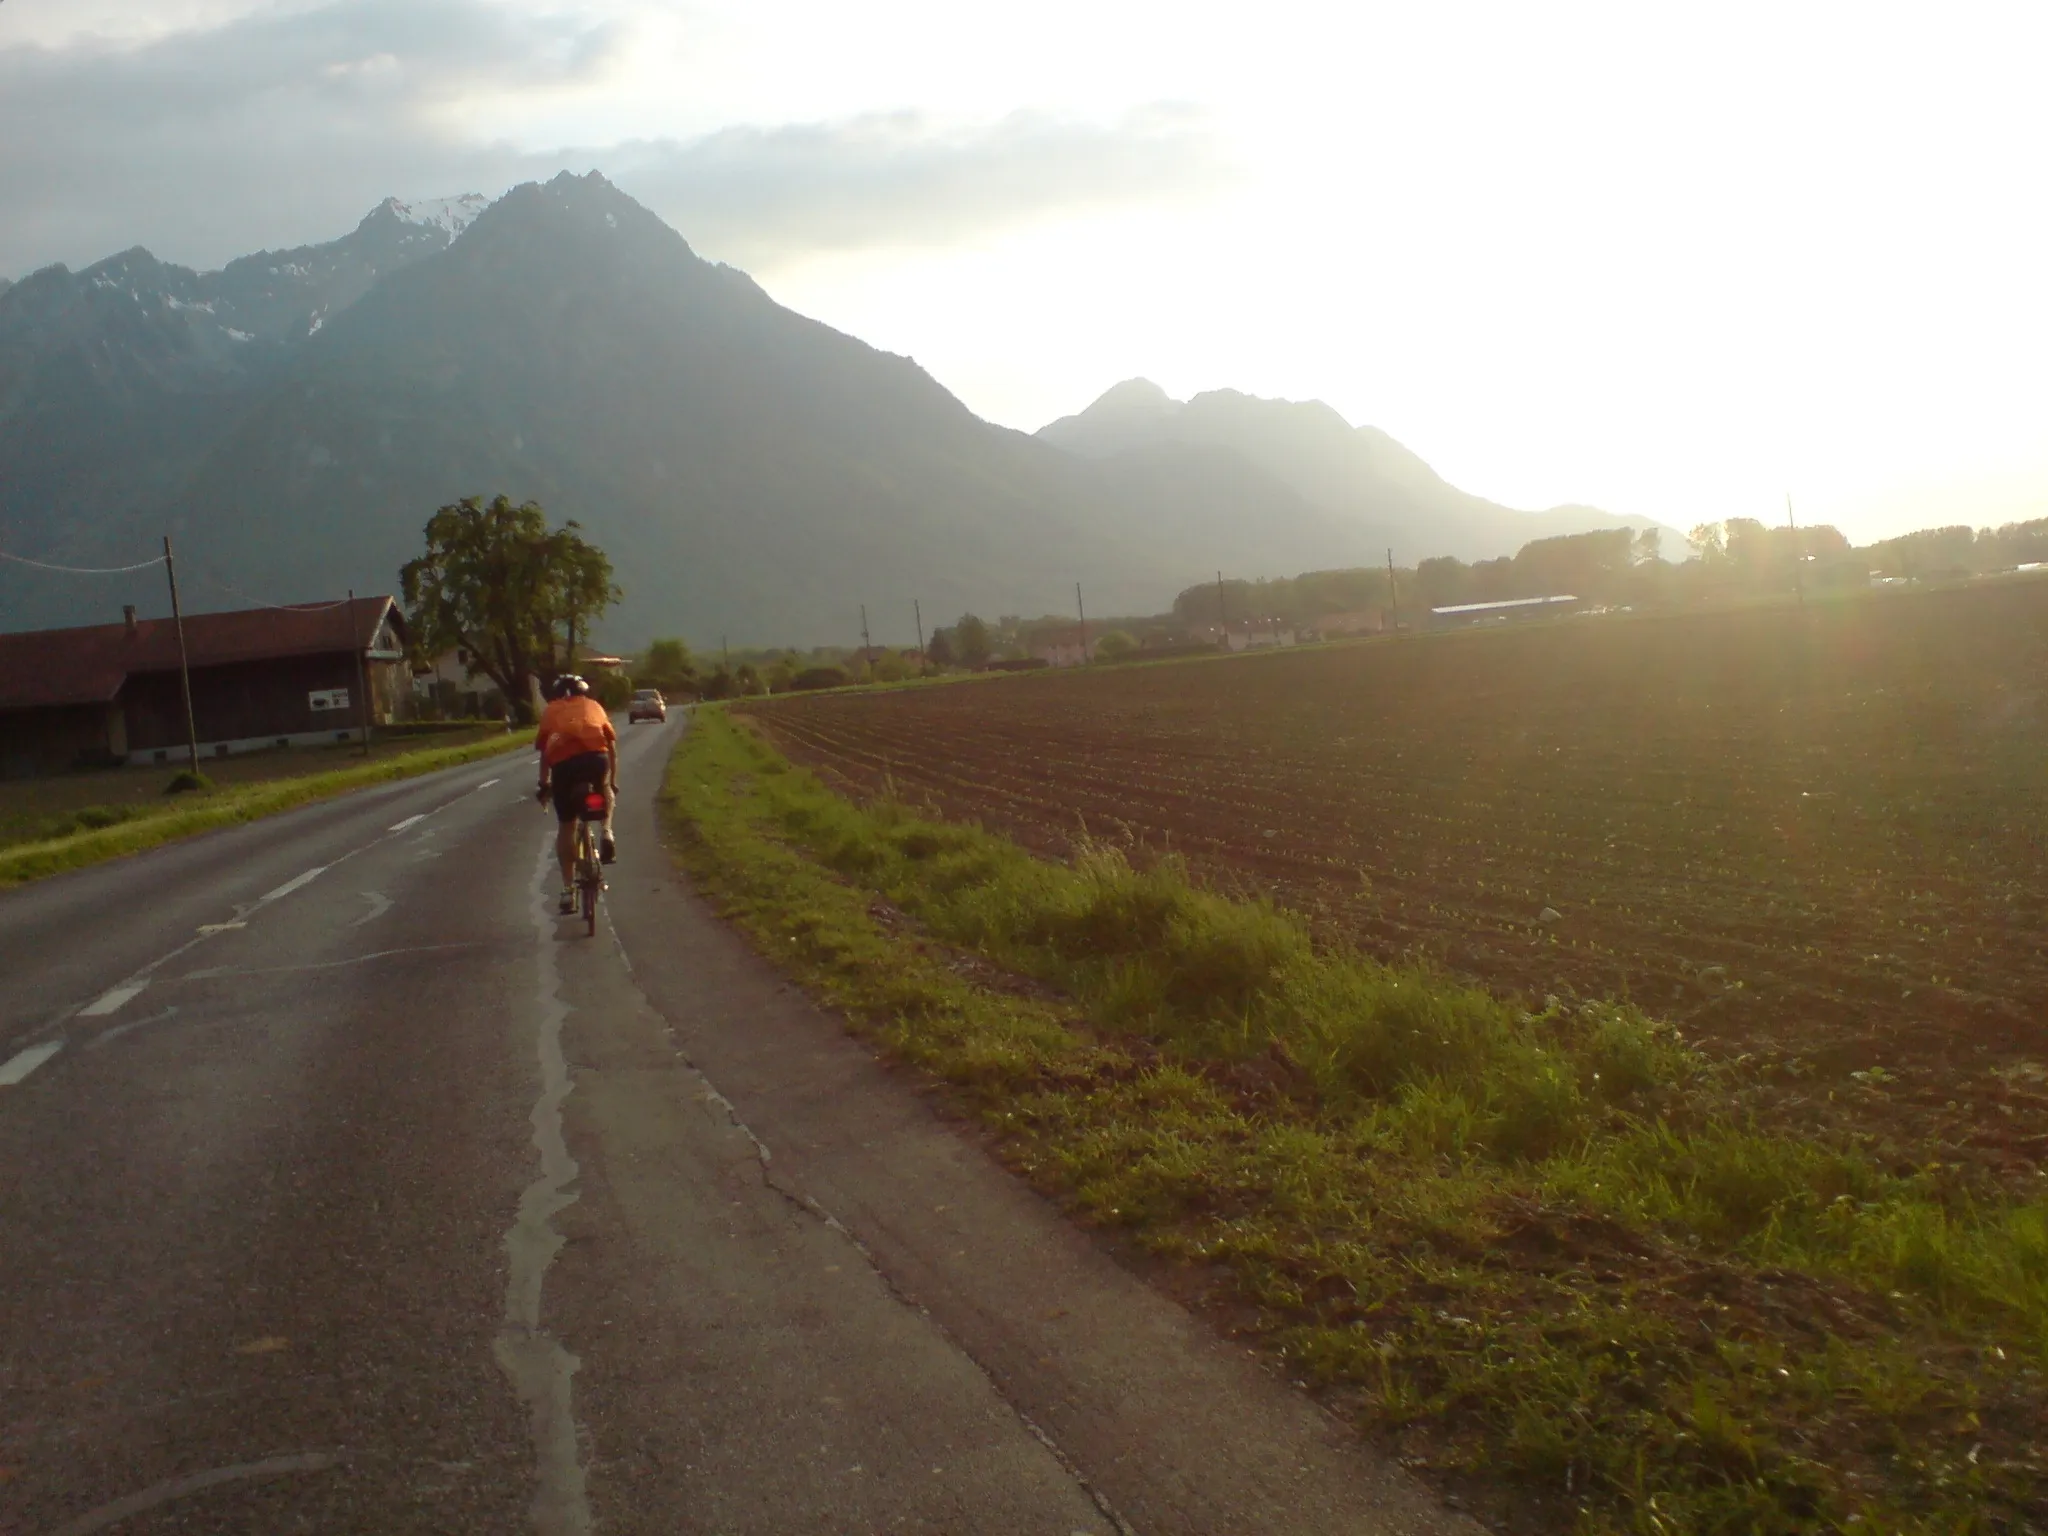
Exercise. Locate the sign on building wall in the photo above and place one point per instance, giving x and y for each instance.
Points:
(328, 698)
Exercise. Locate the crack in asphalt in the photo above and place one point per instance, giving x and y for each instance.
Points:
(541, 1370)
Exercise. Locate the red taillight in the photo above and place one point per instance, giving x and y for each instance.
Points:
(594, 802)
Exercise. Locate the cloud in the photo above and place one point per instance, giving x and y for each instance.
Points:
(283, 126)
(902, 179)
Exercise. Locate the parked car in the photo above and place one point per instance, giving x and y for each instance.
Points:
(648, 704)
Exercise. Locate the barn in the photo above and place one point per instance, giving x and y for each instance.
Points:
(108, 694)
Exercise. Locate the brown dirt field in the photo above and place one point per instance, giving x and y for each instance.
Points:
(1815, 837)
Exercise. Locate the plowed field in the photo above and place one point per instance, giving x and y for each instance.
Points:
(1819, 838)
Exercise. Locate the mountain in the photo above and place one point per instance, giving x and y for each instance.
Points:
(294, 418)
(117, 382)
(1380, 493)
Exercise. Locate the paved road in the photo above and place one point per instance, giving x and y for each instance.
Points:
(343, 1188)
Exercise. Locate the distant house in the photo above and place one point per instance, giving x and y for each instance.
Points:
(1258, 636)
(1071, 647)
(453, 688)
(1461, 615)
(1359, 621)
(1252, 635)
(109, 694)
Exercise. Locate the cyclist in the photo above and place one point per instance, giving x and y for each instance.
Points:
(579, 751)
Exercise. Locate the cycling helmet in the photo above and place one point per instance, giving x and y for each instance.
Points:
(567, 686)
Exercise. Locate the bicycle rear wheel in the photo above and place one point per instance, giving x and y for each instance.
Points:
(590, 906)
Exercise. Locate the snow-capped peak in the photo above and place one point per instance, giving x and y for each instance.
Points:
(452, 214)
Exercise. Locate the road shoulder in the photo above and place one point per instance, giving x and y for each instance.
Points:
(1175, 1428)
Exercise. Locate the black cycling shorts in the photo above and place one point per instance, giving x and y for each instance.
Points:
(573, 776)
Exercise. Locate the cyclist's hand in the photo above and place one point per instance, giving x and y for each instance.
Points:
(540, 796)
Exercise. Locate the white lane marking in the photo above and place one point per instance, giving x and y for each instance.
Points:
(408, 822)
(295, 882)
(20, 1065)
(108, 1001)
(119, 1030)
(541, 1370)
(379, 905)
(212, 971)
(487, 783)
(179, 1487)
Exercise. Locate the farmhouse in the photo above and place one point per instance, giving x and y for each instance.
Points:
(109, 694)
(1069, 647)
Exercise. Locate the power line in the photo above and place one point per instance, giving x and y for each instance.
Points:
(82, 570)
(215, 582)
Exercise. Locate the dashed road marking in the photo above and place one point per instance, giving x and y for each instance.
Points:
(379, 905)
(107, 1002)
(408, 822)
(18, 1066)
(487, 783)
(295, 882)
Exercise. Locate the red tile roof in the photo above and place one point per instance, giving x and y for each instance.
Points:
(89, 665)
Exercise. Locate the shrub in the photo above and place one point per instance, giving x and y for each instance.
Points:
(1115, 646)
(185, 780)
(818, 677)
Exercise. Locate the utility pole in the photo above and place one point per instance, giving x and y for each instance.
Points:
(184, 665)
(866, 645)
(1798, 555)
(1083, 610)
(923, 665)
(1393, 593)
(725, 651)
(1222, 609)
(356, 643)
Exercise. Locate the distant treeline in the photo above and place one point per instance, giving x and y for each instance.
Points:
(1738, 557)
(1620, 566)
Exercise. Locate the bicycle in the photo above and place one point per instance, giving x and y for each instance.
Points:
(589, 868)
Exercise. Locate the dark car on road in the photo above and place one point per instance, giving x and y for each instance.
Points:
(647, 704)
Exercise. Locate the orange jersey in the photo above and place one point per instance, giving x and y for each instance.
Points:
(571, 727)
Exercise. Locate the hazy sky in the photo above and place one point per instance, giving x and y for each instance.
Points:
(1668, 259)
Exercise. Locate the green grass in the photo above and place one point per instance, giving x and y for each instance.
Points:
(91, 833)
(1533, 1249)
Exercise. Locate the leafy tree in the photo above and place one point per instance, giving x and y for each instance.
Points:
(780, 675)
(669, 666)
(1442, 581)
(1115, 645)
(971, 641)
(1709, 545)
(1648, 546)
(719, 685)
(611, 687)
(940, 651)
(498, 583)
(1586, 564)
(746, 680)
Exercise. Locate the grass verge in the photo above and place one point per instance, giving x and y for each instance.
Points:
(1535, 1250)
(111, 831)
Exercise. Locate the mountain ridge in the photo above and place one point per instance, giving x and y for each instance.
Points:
(1361, 474)
(295, 417)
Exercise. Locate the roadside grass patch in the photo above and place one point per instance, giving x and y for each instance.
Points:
(97, 832)
(1538, 1250)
